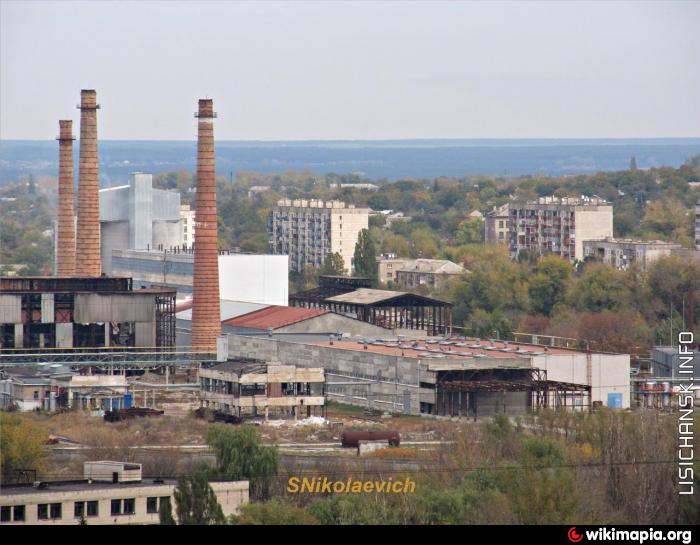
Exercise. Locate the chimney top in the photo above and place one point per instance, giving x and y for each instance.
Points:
(206, 108)
(66, 129)
(88, 99)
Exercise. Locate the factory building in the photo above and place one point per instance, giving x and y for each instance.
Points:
(53, 312)
(244, 388)
(137, 216)
(109, 493)
(393, 310)
(450, 377)
(308, 230)
(553, 225)
(624, 253)
(256, 278)
(50, 387)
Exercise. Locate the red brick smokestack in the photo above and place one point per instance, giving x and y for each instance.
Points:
(65, 235)
(206, 318)
(88, 245)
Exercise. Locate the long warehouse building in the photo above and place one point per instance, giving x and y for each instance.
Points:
(450, 377)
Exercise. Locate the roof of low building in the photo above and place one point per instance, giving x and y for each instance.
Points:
(274, 317)
(434, 266)
(369, 296)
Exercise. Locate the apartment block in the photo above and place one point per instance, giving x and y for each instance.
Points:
(496, 223)
(308, 230)
(388, 265)
(623, 253)
(558, 225)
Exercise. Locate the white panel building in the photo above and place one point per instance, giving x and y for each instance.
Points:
(253, 278)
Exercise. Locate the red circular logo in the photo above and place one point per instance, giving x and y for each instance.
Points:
(573, 535)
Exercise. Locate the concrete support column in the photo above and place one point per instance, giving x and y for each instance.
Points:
(19, 335)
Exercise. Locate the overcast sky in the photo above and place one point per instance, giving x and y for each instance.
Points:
(353, 70)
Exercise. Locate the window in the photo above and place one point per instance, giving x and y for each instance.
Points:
(79, 509)
(152, 505)
(42, 511)
(5, 513)
(36, 394)
(129, 506)
(163, 501)
(116, 507)
(56, 511)
(92, 509)
(18, 512)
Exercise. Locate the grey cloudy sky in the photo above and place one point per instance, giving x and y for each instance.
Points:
(353, 70)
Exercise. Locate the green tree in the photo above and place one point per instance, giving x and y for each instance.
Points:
(196, 502)
(600, 287)
(240, 455)
(165, 513)
(22, 445)
(470, 231)
(365, 258)
(333, 264)
(548, 285)
(274, 512)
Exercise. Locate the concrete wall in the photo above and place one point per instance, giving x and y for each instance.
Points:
(336, 323)
(591, 224)
(346, 224)
(610, 373)
(10, 309)
(114, 236)
(93, 308)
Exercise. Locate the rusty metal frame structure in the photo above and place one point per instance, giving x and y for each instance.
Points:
(405, 311)
(543, 393)
(64, 290)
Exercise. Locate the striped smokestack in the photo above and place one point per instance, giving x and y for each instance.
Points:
(88, 244)
(65, 235)
(206, 318)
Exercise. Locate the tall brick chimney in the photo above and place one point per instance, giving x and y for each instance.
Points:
(65, 232)
(88, 243)
(206, 318)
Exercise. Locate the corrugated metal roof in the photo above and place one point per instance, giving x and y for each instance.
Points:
(274, 317)
(366, 296)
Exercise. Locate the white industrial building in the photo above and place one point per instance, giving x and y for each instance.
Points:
(254, 278)
(137, 216)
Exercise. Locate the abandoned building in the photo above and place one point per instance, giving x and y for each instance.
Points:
(96, 312)
(51, 386)
(393, 310)
(109, 493)
(450, 377)
(245, 388)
